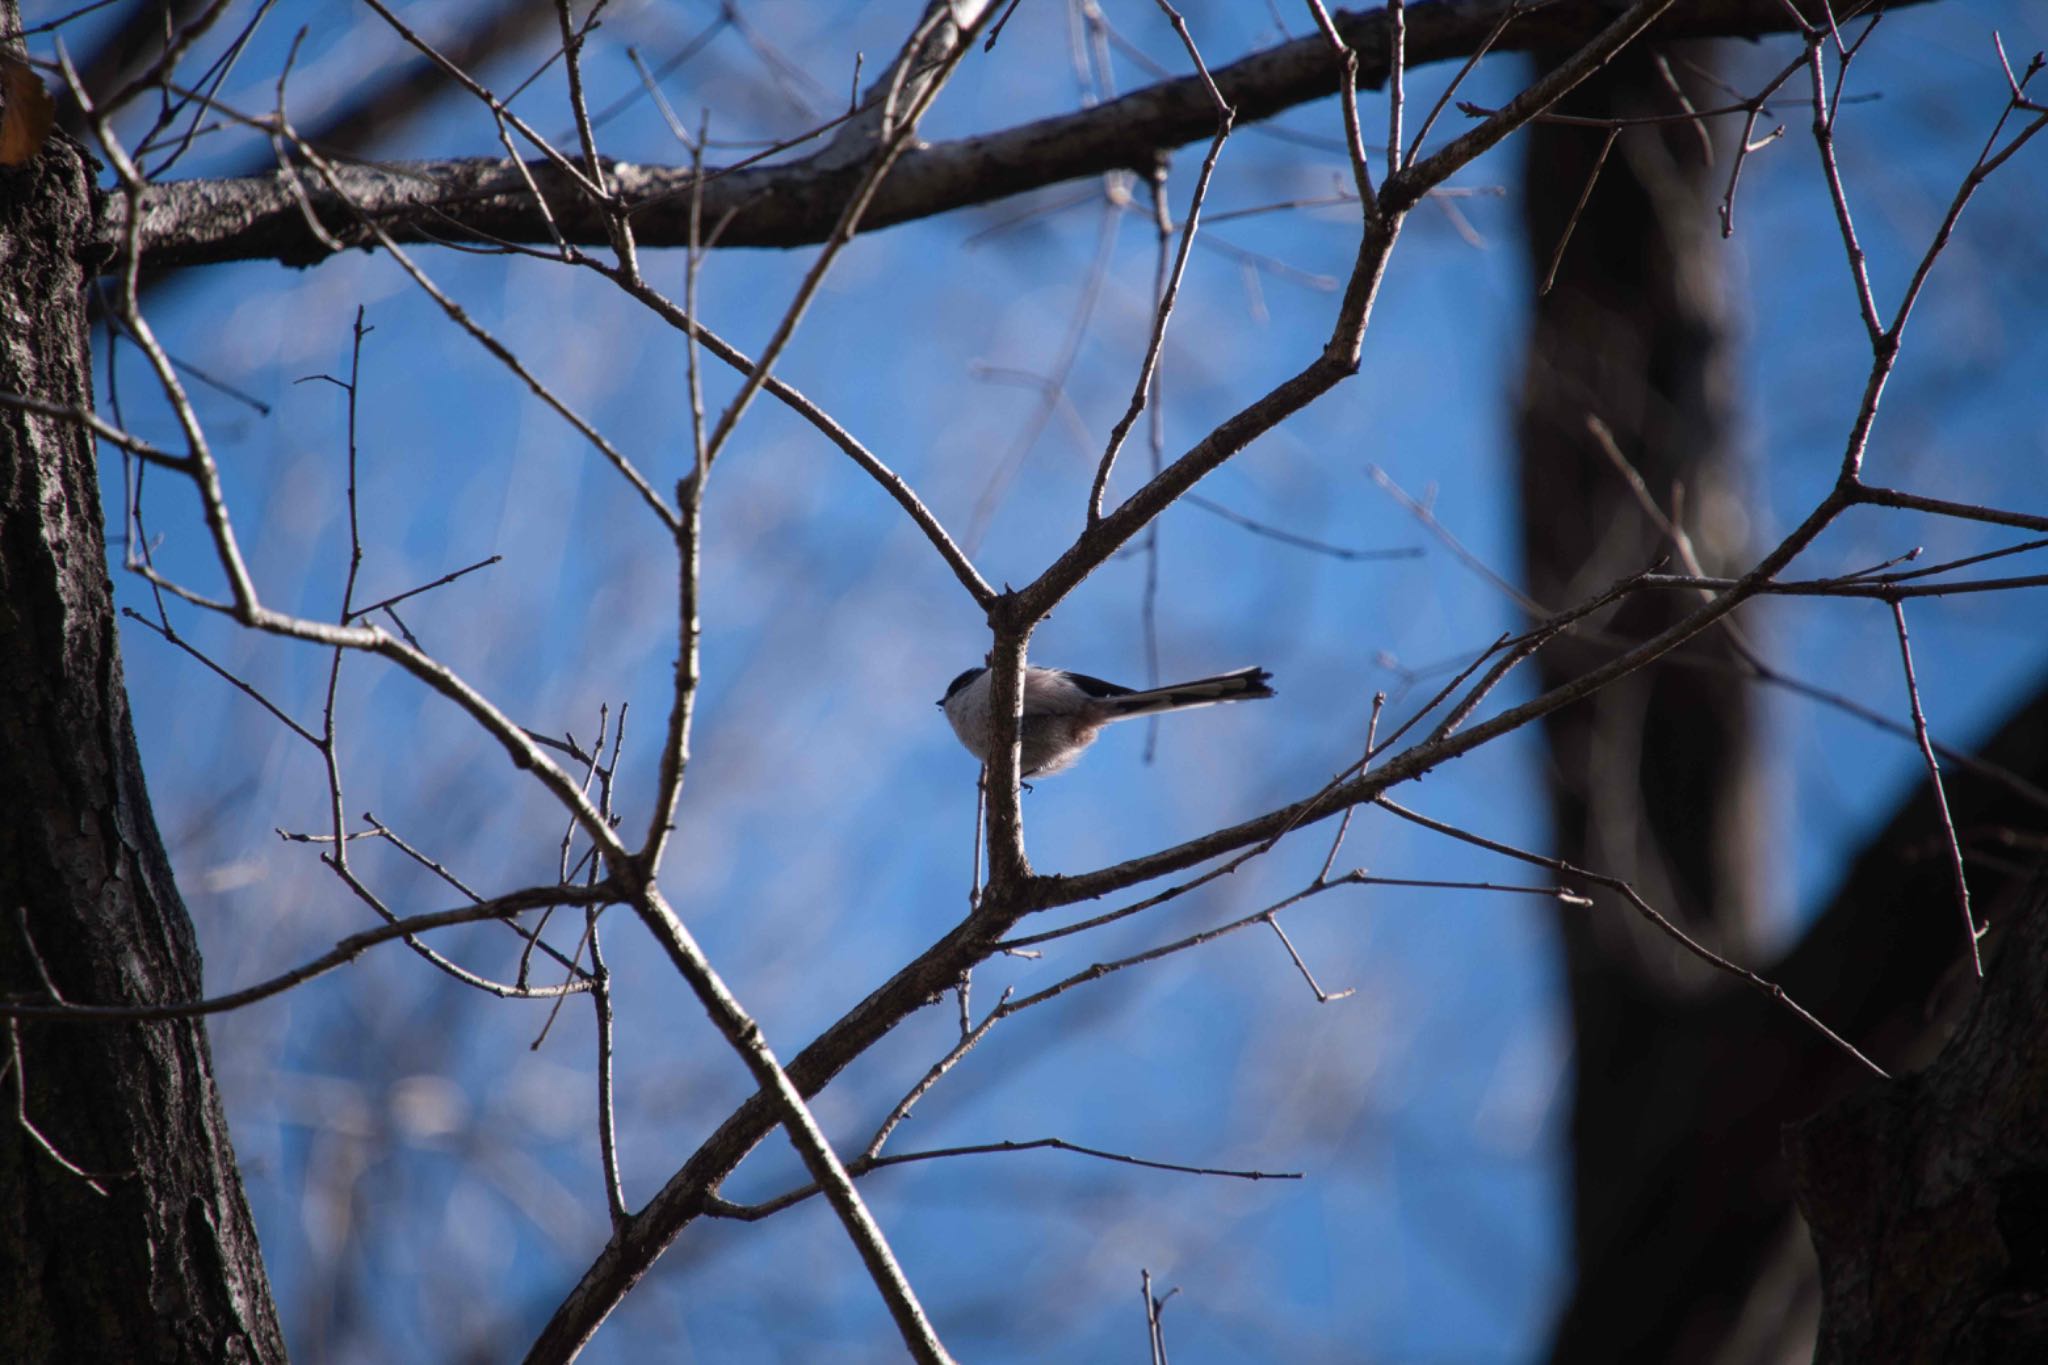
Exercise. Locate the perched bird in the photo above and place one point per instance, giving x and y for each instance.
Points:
(1064, 711)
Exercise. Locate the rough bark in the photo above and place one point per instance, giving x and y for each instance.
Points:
(1928, 1198)
(152, 1254)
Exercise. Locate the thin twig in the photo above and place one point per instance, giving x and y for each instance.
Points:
(1323, 997)
(17, 1063)
(1571, 224)
(499, 351)
(1688, 111)
(891, 482)
(1507, 16)
(607, 1132)
(1372, 729)
(1225, 118)
(689, 546)
(1052, 387)
(861, 1166)
(443, 581)
(344, 951)
(1299, 542)
(968, 1039)
(1427, 519)
(1155, 453)
(1948, 824)
(171, 636)
(1347, 105)
(199, 464)
(1824, 139)
(1053, 1144)
(330, 744)
(563, 163)
(617, 222)
(1397, 62)
(1642, 907)
(896, 138)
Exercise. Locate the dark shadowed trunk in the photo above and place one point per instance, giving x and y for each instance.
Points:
(143, 1248)
(1687, 1242)
(1929, 1198)
(1656, 778)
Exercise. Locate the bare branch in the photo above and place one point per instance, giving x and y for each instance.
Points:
(1948, 824)
(345, 951)
(1650, 913)
(189, 223)
(753, 1213)
(1148, 368)
(607, 1137)
(1571, 224)
(891, 482)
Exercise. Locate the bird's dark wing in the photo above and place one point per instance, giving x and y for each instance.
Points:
(1096, 687)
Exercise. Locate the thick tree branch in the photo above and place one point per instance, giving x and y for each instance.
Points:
(205, 221)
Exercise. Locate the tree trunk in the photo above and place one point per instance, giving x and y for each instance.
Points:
(1929, 1198)
(142, 1248)
(1687, 1244)
(1656, 778)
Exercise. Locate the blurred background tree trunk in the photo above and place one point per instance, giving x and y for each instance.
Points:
(1655, 779)
(1687, 1244)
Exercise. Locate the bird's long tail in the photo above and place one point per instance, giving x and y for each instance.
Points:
(1246, 684)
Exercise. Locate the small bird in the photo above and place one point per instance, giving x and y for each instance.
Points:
(1064, 711)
